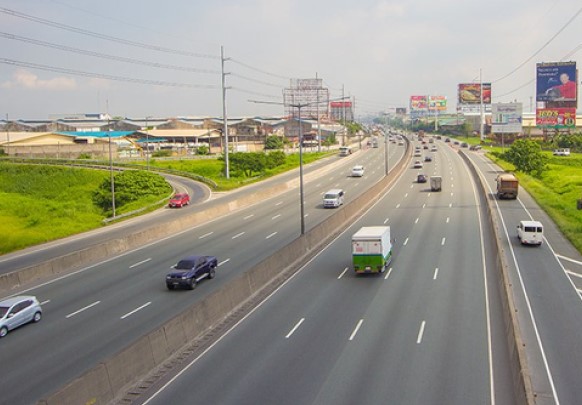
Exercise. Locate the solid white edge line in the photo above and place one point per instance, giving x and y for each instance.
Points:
(420, 333)
(138, 263)
(353, 335)
(294, 328)
(342, 273)
(135, 310)
(223, 262)
(82, 309)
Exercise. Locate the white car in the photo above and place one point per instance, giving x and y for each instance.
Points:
(358, 171)
(418, 164)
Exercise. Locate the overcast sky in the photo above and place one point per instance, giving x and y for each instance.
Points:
(382, 51)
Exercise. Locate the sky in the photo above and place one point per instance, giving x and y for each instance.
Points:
(138, 58)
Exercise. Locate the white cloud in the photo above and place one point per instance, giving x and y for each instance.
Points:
(28, 80)
(386, 9)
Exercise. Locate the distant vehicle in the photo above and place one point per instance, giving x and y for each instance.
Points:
(475, 147)
(189, 271)
(433, 148)
(562, 152)
(464, 145)
(436, 183)
(530, 232)
(430, 140)
(371, 249)
(438, 137)
(428, 158)
(358, 171)
(507, 186)
(421, 178)
(400, 142)
(17, 311)
(345, 150)
(448, 140)
(417, 153)
(425, 147)
(375, 142)
(333, 198)
(456, 142)
(179, 200)
(417, 164)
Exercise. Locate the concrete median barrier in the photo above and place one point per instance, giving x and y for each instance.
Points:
(140, 358)
(520, 373)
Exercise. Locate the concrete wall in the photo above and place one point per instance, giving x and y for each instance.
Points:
(113, 376)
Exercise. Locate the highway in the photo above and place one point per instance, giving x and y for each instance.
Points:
(546, 282)
(429, 330)
(98, 310)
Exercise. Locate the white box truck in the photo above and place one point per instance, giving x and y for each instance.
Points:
(371, 249)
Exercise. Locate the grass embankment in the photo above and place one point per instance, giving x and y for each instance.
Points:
(43, 203)
(213, 169)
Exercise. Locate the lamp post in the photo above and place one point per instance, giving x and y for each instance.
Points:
(112, 179)
(147, 144)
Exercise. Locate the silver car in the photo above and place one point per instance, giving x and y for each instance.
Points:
(17, 311)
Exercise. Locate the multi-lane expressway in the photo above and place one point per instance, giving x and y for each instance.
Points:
(427, 331)
(95, 312)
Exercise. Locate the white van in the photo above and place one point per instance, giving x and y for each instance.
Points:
(345, 150)
(357, 171)
(333, 198)
(530, 232)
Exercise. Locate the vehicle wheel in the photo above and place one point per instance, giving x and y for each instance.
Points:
(192, 284)
(37, 317)
(170, 286)
(3, 331)
(212, 273)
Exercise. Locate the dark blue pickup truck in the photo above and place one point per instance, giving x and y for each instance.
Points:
(190, 271)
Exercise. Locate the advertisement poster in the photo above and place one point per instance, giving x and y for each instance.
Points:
(506, 118)
(470, 93)
(556, 82)
(556, 117)
(438, 103)
(418, 103)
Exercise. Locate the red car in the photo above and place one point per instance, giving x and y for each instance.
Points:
(179, 200)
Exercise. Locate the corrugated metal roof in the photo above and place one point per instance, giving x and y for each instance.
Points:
(97, 134)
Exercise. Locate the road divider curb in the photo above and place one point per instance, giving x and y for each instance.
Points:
(173, 341)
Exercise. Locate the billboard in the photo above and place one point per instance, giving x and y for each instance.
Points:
(437, 103)
(470, 93)
(556, 117)
(556, 82)
(506, 118)
(418, 103)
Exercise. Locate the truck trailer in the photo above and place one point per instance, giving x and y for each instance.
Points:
(507, 186)
(371, 249)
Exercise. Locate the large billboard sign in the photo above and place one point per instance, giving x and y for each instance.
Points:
(506, 118)
(437, 103)
(418, 103)
(556, 82)
(556, 117)
(470, 93)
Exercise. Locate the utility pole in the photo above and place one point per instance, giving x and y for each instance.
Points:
(224, 117)
(112, 179)
(318, 122)
(147, 144)
(482, 125)
(344, 115)
(7, 137)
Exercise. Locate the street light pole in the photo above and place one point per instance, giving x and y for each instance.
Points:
(301, 171)
(147, 144)
(112, 180)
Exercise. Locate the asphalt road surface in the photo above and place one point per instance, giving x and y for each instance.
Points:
(95, 312)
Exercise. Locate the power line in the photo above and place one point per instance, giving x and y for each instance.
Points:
(241, 90)
(103, 36)
(259, 70)
(543, 46)
(105, 56)
(255, 80)
(104, 76)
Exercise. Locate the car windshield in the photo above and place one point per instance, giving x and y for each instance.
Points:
(178, 196)
(330, 196)
(185, 264)
(3, 311)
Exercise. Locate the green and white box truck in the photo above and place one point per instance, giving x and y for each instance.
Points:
(372, 249)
